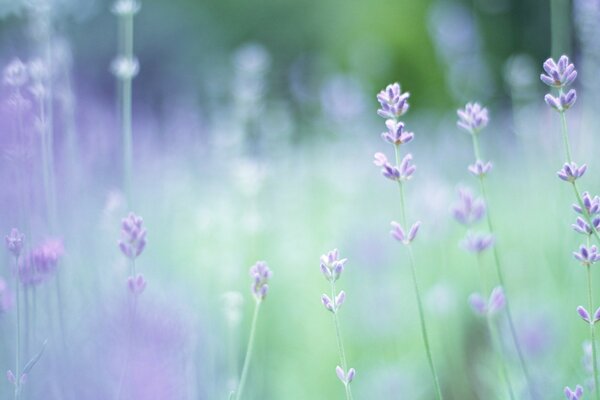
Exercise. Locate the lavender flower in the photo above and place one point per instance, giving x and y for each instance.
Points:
(570, 172)
(133, 236)
(393, 102)
(15, 74)
(397, 232)
(346, 378)
(581, 226)
(477, 243)
(407, 169)
(576, 394)
(41, 263)
(387, 169)
(480, 168)
(260, 274)
(591, 205)
(136, 285)
(563, 102)
(331, 265)
(468, 210)
(334, 304)
(396, 134)
(495, 303)
(558, 74)
(586, 255)
(473, 118)
(14, 242)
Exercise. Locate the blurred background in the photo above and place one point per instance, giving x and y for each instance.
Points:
(254, 129)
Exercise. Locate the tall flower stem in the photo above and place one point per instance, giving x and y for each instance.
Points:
(249, 351)
(592, 329)
(340, 343)
(413, 269)
(494, 336)
(18, 345)
(499, 273)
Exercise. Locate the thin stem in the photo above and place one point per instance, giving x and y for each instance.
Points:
(340, 344)
(565, 136)
(499, 273)
(416, 286)
(18, 349)
(592, 330)
(249, 351)
(130, 335)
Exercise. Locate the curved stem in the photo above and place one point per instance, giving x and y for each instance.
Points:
(249, 350)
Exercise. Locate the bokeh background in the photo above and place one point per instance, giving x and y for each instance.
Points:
(254, 127)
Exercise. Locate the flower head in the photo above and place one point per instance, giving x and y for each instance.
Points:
(41, 263)
(387, 169)
(468, 210)
(331, 265)
(393, 102)
(563, 102)
(136, 285)
(477, 243)
(14, 242)
(570, 172)
(480, 168)
(397, 232)
(133, 236)
(576, 394)
(473, 118)
(496, 302)
(406, 167)
(558, 74)
(587, 255)
(346, 378)
(334, 304)
(590, 204)
(260, 274)
(396, 134)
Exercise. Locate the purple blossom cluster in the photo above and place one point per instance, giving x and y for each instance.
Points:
(468, 211)
(560, 75)
(41, 263)
(574, 394)
(260, 274)
(483, 307)
(473, 118)
(133, 236)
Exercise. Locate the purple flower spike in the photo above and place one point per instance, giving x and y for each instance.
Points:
(558, 74)
(393, 102)
(584, 314)
(133, 236)
(480, 168)
(497, 300)
(327, 303)
(339, 299)
(473, 118)
(571, 172)
(332, 266)
(584, 228)
(587, 256)
(397, 232)
(591, 204)
(477, 243)
(478, 304)
(387, 169)
(14, 242)
(563, 102)
(136, 285)
(345, 378)
(260, 274)
(406, 168)
(468, 210)
(396, 134)
(576, 394)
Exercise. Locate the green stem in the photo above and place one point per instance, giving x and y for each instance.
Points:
(18, 349)
(592, 330)
(340, 344)
(126, 46)
(249, 350)
(413, 270)
(499, 273)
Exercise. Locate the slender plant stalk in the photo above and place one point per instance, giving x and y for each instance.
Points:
(130, 335)
(587, 216)
(413, 269)
(249, 351)
(340, 343)
(500, 274)
(18, 349)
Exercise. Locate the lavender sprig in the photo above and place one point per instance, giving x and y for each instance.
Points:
(394, 104)
(260, 274)
(560, 75)
(473, 118)
(331, 268)
(574, 394)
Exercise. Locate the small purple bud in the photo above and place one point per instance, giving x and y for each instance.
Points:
(478, 304)
(340, 374)
(326, 272)
(597, 315)
(380, 159)
(133, 236)
(497, 300)
(468, 210)
(396, 134)
(136, 284)
(327, 302)
(397, 232)
(393, 102)
(480, 168)
(571, 172)
(260, 274)
(576, 394)
(477, 243)
(331, 265)
(14, 242)
(583, 227)
(587, 256)
(473, 118)
(406, 168)
(583, 313)
(413, 231)
(350, 376)
(339, 300)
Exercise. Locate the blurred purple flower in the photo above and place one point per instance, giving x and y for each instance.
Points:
(473, 118)
(570, 172)
(591, 204)
(480, 168)
(133, 236)
(396, 134)
(260, 274)
(393, 102)
(584, 228)
(563, 102)
(6, 297)
(387, 169)
(576, 394)
(334, 304)
(14, 242)
(397, 232)
(495, 303)
(331, 265)
(406, 168)
(468, 210)
(586, 255)
(346, 378)
(558, 74)
(15, 74)
(41, 263)
(477, 242)
(137, 284)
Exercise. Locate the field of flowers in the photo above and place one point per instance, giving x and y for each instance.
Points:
(221, 222)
